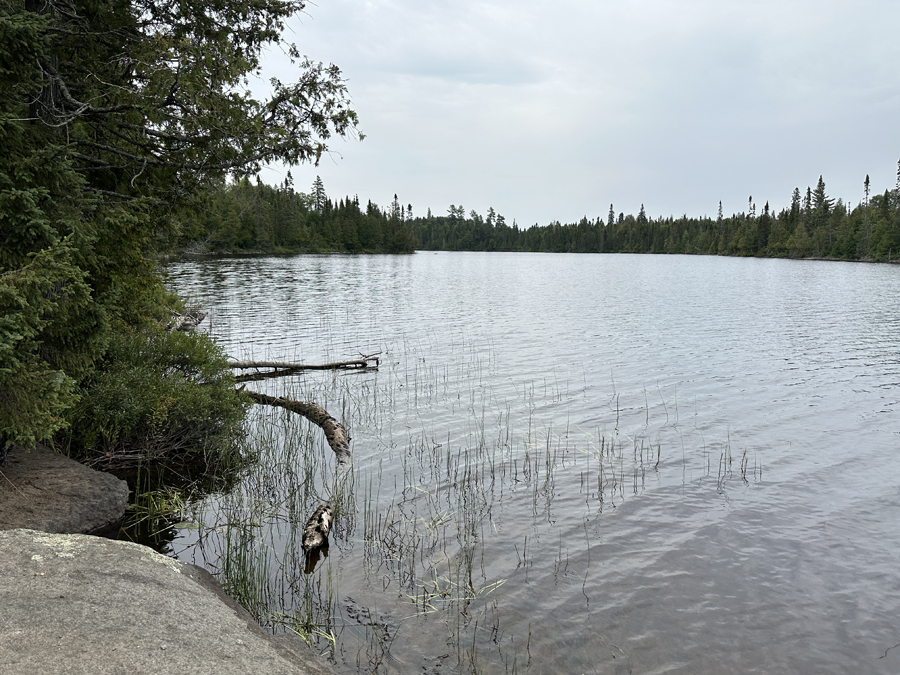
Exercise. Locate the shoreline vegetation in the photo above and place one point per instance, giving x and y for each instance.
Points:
(243, 218)
(101, 156)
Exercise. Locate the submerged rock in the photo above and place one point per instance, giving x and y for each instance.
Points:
(42, 490)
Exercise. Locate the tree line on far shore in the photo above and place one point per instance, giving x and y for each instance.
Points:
(244, 216)
(814, 225)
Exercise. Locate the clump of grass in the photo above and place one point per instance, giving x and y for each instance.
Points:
(159, 508)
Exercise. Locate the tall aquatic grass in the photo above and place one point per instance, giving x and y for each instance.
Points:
(463, 491)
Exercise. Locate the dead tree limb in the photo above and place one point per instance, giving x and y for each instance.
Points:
(315, 534)
(362, 362)
(187, 321)
(335, 433)
(267, 375)
(286, 368)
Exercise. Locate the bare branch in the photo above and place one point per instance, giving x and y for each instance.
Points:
(315, 534)
(362, 362)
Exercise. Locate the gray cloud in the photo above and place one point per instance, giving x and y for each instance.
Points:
(551, 111)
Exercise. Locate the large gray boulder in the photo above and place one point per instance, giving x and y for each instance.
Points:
(83, 604)
(42, 490)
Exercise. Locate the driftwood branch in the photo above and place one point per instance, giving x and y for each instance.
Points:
(362, 362)
(284, 368)
(335, 433)
(315, 534)
(187, 321)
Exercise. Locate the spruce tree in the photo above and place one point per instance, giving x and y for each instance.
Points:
(821, 201)
(897, 184)
(318, 195)
(795, 207)
(866, 217)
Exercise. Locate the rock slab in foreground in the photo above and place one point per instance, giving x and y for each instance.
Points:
(82, 604)
(42, 490)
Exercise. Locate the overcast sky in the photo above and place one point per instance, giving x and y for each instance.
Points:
(552, 111)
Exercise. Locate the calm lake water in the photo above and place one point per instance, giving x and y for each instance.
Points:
(570, 463)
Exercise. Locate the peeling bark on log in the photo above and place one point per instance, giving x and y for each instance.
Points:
(315, 534)
(335, 434)
(186, 322)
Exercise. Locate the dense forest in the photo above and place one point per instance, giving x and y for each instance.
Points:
(243, 216)
(814, 225)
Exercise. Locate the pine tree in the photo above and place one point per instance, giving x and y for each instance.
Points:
(820, 200)
(807, 205)
(896, 200)
(763, 230)
(51, 328)
(897, 184)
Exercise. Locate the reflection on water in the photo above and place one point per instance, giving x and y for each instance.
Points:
(566, 463)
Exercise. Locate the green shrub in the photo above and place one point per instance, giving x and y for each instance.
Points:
(156, 394)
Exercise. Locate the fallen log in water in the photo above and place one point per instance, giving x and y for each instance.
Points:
(187, 321)
(315, 534)
(361, 362)
(284, 368)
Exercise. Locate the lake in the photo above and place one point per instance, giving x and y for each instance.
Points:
(569, 463)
